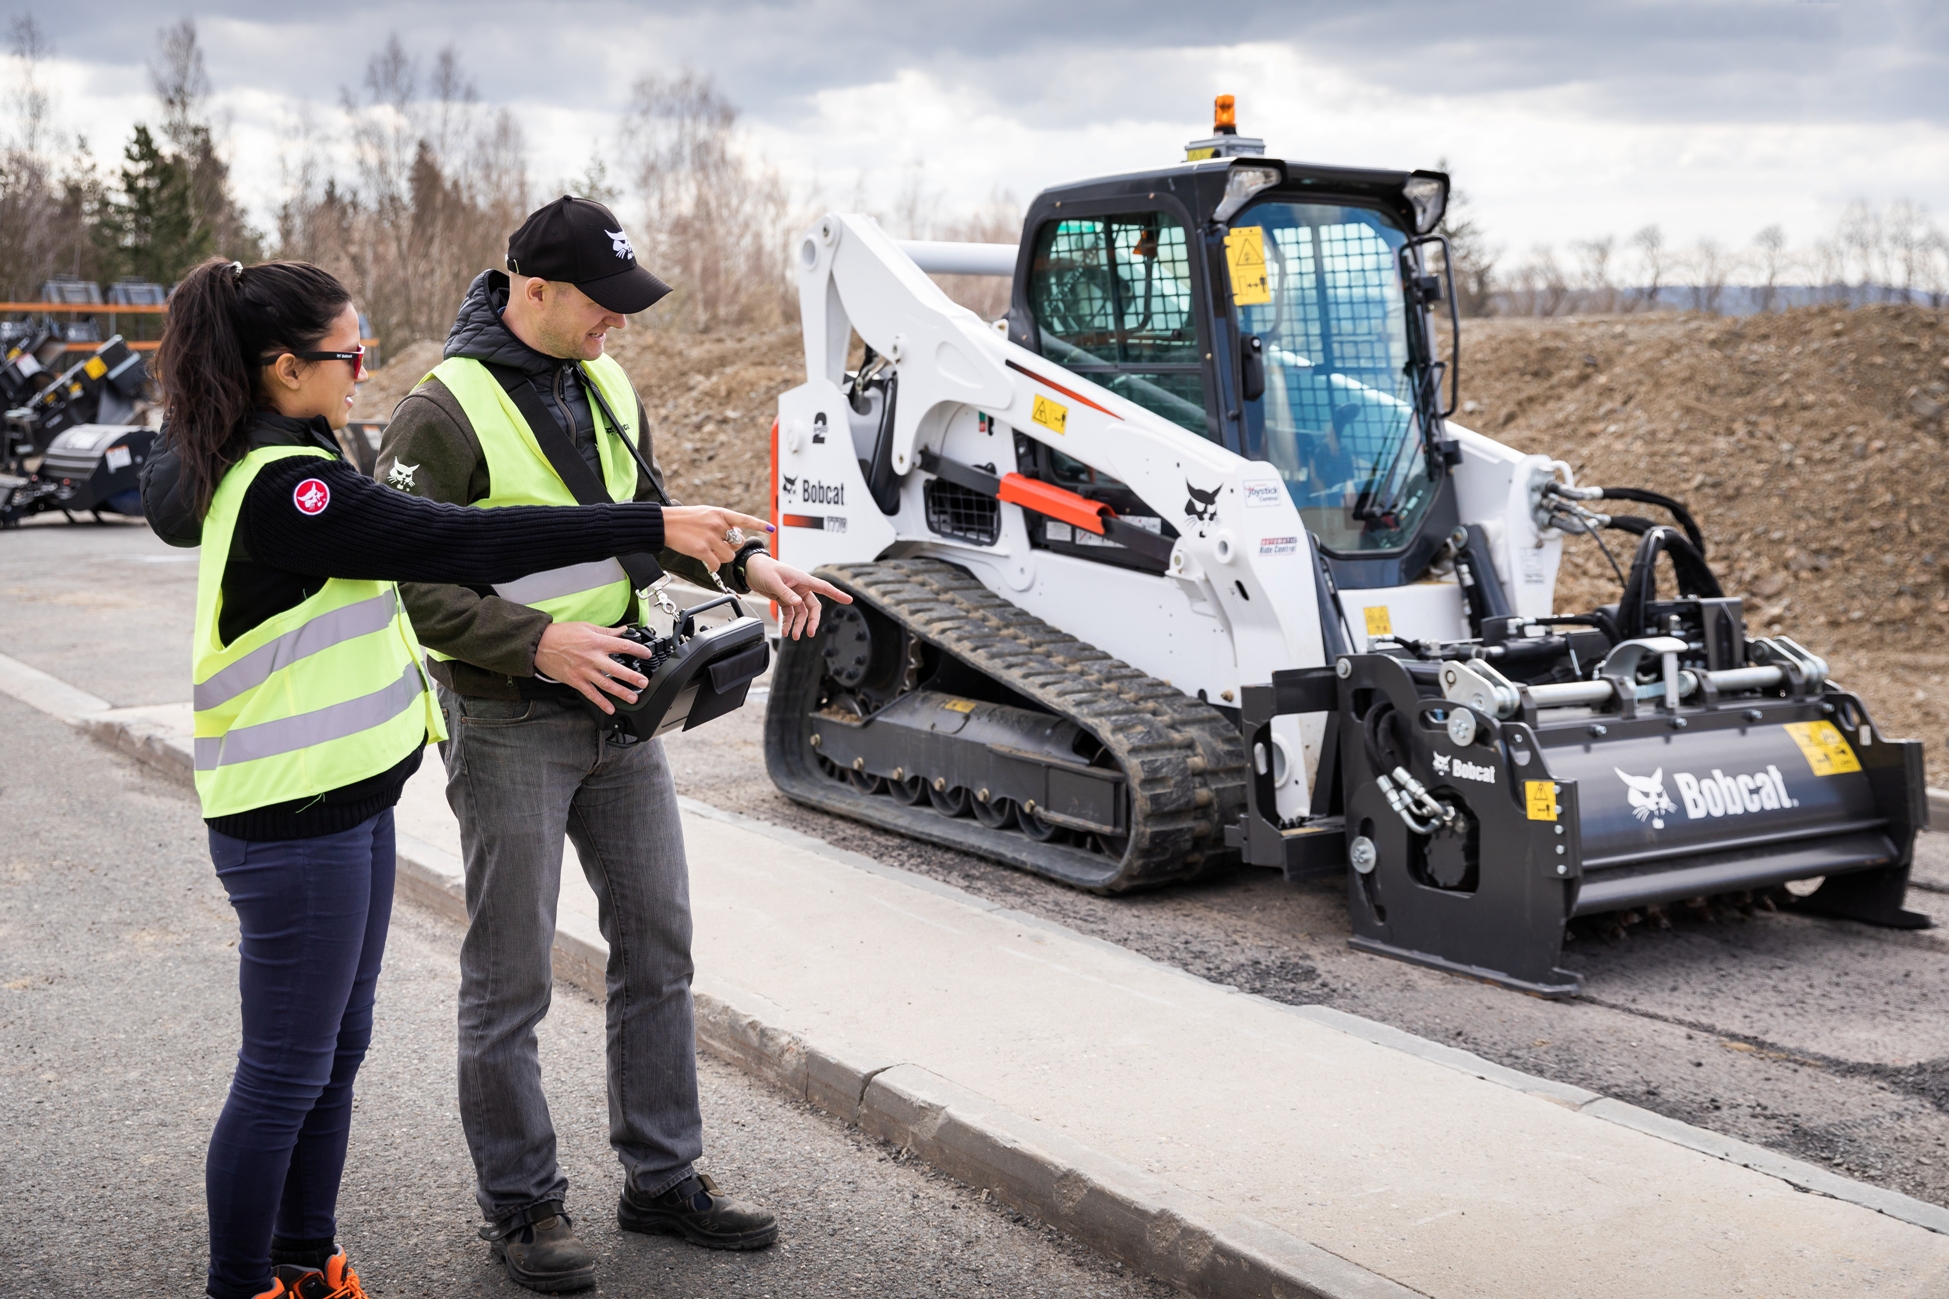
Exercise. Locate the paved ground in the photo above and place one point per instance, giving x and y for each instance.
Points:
(1819, 1038)
(118, 1029)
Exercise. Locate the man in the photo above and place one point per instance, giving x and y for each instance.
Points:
(527, 409)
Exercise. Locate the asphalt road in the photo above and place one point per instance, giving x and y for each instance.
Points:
(118, 1029)
(1823, 1039)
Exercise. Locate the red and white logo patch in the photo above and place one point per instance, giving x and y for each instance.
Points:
(311, 496)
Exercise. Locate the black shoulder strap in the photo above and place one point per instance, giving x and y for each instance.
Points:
(621, 430)
(568, 464)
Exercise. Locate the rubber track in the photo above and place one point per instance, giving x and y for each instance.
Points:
(1183, 762)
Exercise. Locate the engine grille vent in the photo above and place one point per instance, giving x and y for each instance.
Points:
(956, 511)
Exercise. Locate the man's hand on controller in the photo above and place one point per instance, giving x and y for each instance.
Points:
(796, 592)
(577, 654)
(701, 531)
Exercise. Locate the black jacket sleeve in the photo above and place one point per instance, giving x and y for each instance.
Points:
(350, 526)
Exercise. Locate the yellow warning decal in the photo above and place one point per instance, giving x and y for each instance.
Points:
(1245, 254)
(959, 705)
(1051, 415)
(95, 368)
(1541, 797)
(1824, 747)
(1378, 623)
(1199, 155)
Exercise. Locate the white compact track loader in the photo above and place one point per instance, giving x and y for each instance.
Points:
(1181, 564)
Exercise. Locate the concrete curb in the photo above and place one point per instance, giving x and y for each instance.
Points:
(1189, 1240)
(1939, 808)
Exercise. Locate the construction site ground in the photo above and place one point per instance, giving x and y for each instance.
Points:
(1810, 447)
(1819, 1039)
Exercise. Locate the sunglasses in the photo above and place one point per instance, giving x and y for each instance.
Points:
(356, 357)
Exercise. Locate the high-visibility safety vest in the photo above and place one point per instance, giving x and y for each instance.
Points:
(518, 473)
(317, 697)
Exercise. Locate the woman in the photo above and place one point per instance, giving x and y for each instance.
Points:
(312, 710)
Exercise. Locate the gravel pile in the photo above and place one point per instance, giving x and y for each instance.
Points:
(1808, 444)
(710, 400)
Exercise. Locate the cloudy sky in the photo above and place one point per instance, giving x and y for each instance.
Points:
(1561, 120)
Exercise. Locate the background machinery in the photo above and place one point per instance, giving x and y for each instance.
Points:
(1181, 564)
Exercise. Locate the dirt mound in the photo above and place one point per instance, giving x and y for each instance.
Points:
(1808, 444)
(710, 401)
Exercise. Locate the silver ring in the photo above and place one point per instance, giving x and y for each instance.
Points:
(734, 536)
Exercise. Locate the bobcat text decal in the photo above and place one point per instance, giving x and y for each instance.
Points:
(1716, 794)
(1463, 769)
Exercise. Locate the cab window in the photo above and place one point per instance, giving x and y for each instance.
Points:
(1113, 300)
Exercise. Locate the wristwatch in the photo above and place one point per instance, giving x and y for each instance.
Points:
(738, 581)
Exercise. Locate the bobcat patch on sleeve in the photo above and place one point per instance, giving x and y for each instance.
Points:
(401, 476)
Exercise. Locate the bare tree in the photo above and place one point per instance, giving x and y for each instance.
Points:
(1907, 229)
(182, 83)
(1862, 240)
(1711, 266)
(1594, 273)
(1828, 262)
(1653, 263)
(1538, 286)
(1475, 258)
(1935, 269)
(36, 237)
(1771, 254)
(916, 207)
(714, 222)
(1552, 284)
(439, 183)
(29, 99)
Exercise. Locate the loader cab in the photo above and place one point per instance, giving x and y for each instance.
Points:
(1276, 308)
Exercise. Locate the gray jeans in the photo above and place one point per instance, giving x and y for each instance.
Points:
(520, 775)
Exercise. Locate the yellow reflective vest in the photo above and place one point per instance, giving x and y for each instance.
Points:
(320, 696)
(518, 473)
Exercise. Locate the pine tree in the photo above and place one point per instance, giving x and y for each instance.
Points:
(156, 220)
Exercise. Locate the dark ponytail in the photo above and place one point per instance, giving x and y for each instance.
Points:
(225, 319)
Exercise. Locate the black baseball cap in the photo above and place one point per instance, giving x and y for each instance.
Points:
(579, 241)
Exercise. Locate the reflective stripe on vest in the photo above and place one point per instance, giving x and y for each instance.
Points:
(322, 632)
(554, 583)
(312, 699)
(519, 473)
(319, 726)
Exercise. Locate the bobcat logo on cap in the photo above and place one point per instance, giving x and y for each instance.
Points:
(619, 244)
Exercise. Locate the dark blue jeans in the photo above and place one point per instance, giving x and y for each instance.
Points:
(312, 914)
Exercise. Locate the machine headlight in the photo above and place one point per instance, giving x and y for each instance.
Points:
(1241, 183)
(1428, 192)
